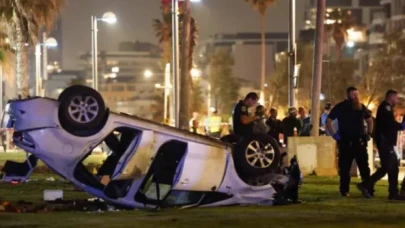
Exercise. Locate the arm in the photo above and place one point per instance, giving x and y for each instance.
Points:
(329, 126)
(385, 113)
(334, 114)
(370, 125)
(245, 119)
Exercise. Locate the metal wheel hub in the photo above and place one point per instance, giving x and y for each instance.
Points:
(83, 109)
(259, 155)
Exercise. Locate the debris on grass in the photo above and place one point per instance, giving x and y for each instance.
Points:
(59, 205)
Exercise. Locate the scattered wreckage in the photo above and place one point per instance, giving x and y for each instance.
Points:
(150, 165)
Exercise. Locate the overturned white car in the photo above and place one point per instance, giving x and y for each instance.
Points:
(150, 165)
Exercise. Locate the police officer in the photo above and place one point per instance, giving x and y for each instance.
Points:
(242, 122)
(352, 138)
(386, 131)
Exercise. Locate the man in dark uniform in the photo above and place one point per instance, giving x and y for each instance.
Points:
(275, 127)
(242, 122)
(352, 138)
(386, 131)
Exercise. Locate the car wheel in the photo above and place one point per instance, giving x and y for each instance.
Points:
(82, 110)
(257, 155)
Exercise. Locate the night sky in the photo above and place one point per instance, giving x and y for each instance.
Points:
(135, 22)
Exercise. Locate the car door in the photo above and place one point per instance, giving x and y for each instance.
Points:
(202, 169)
(136, 159)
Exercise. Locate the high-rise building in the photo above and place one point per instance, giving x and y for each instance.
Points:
(362, 10)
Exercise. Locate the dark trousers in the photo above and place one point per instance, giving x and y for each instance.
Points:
(350, 150)
(389, 165)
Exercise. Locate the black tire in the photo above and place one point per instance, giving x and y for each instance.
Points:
(271, 159)
(81, 110)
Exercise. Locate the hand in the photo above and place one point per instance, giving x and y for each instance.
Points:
(336, 136)
(368, 137)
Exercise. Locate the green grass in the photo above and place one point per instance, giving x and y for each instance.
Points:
(323, 208)
(21, 156)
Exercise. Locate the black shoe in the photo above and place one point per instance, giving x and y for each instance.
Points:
(364, 191)
(344, 194)
(396, 197)
(371, 192)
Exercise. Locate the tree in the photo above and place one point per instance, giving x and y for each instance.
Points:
(386, 70)
(25, 19)
(163, 31)
(197, 99)
(340, 22)
(278, 84)
(261, 7)
(336, 78)
(224, 87)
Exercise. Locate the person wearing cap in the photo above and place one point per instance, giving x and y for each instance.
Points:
(324, 116)
(274, 124)
(352, 138)
(242, 122)
(290, 124)
(386, 133)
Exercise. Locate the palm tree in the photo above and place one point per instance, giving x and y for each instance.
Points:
(25, 19)
(340, 22)
(261, 7)
(163, 31)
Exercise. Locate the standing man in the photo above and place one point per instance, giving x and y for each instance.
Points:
(242, 122)
(291, 124)
(275, 125)
(194, 123)
(213, 125)
(386, 132)
(324, 116)
(352, 138)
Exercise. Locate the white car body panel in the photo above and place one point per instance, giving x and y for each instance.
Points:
(202, 171)
(207, 165)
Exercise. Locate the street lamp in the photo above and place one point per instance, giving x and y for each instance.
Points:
(148, 73)
(48, 43)
(109, 18)
(195, 73)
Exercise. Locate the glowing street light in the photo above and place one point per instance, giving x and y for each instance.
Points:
(47, 43)
(195, 73)
(350, 44)
(109, 18)
(115, 70)
(148, 73)
(322, 97)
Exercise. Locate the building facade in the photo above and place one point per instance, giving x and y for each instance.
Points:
(245, 49)
(128, 78)
(362, 10)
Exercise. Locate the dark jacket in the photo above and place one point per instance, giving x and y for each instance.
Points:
(289, 123)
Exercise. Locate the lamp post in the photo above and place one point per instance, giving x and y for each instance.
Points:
(47, 43)
(317, 67)
(292, 54)
(109, 18)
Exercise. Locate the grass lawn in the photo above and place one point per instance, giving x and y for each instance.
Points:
(323, 208)
(21, 156)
